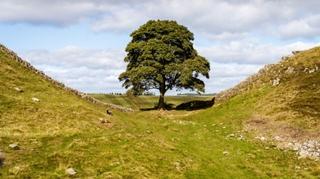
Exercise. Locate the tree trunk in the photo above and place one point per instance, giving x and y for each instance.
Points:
(161, 104)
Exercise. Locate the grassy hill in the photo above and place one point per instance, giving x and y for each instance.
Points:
(62, 130)
(290, 108)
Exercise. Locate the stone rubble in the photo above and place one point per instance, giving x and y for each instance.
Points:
(290, 70)
(184, 122)
(307, 149)
(261, 138)
(304, 149)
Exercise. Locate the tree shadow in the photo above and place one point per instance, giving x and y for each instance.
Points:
(195, 105)
(167, 106)
(187, 106)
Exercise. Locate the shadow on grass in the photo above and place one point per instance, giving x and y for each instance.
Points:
(188, 106)
(168, 106)
(195, 105)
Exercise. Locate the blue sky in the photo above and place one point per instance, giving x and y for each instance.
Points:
(81, 43)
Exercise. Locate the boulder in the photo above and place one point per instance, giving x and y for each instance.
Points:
(104, 120)
(18, 89)
(14, 146)
(35, 99)
(276, 82)
(70, 172)
(289, 70)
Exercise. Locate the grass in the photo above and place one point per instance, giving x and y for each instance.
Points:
(64, 131)
(295, 101)
(138, 102)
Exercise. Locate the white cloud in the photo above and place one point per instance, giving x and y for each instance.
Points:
(240, 36)
(307, 27)
(84, 69)
(250, 52)
(94, 70)
(213, 17)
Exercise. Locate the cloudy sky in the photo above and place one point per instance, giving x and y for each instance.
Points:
(81, 43)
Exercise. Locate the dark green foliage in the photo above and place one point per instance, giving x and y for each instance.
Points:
(161, 56)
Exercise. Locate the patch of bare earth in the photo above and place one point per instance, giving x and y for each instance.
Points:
(305, 143)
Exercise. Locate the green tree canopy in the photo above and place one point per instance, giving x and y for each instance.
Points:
(161, 56)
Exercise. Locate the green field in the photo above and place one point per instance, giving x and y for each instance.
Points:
(63, 130)
(139, 102)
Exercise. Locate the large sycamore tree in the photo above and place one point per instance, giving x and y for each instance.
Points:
(161, 56)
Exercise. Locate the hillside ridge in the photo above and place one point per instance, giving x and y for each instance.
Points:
(275, 77)
(82, 95)
(289, 111)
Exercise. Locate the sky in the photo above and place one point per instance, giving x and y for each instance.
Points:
(81, 43)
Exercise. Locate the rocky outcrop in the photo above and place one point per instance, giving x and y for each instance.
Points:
(82, 95)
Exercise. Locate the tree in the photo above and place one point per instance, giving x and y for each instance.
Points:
(161, 56)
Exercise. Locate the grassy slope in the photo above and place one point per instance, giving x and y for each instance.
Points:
(296, 100)
(63, 131)
(145, 101)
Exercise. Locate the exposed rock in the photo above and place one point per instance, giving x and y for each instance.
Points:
(290, 70)
(71, 171)
(312, 70)
(261, 138)
(18, 89)
(276, 82)
(296, 52)
(2, 158)
(177, 166)
(240, 137)
(14, 146)
(184, 122)
(308, 149)
(35, 99)
(225, 153)
(103, 120)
